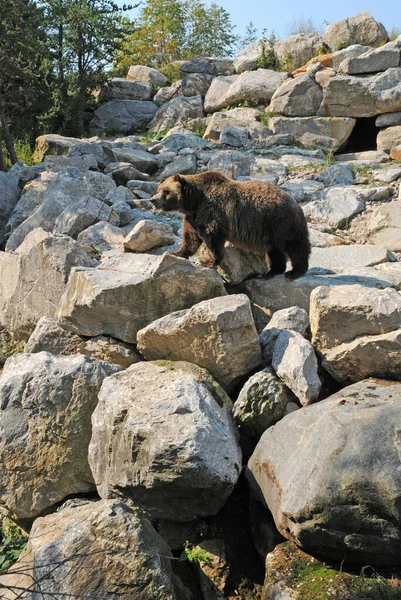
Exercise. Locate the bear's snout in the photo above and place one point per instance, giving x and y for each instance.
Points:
(157, 201)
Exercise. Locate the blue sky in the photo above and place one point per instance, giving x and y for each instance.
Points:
(270, 14)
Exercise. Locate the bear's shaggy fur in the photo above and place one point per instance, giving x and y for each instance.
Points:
(252, 214)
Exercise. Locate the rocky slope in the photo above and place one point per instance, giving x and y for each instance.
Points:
(163, 409)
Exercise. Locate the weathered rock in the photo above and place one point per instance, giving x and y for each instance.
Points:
(218, 335)
(295, 51)
(238, 264)
(48, 336)
(208, 66)
(293, 318)
(82, 214)
(388, 138)
(123, 116)
(299, 97)
(47, 402)
(249, 57)
(373, 61)
(320, 239)
(110, 350)
(118, 88)
(185, 165)
(387, 175)
(312, 140)
(365, 311)
(147, 75)
(255, 86)
(336, 206)
(9, 195)
(237, 117)
(357, 256)
(362, 29)
(323, 76)
(384, 225)
(165, 94)
(348, 509)
(237, 137)
(53, 144)
(196, 84)
(362, 157)
(161, 432)
(175, 112)
(150, 234)
(338, 174)
(339, 56)
(131, 291)
(269, 295)
(143, 161)
(353, 96)
(59, 191)
(217, 90)
(366, 356)
(232, 163)
(334, 127)
(80, 539)
(33, 280)
(295, 362)
(122, 172)
(101, 238)
(178, 138)
(388, 120)
(262, 166)
(303, 189)
(262, 402)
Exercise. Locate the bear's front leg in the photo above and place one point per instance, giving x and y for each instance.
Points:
(190, 241)
(214, 240)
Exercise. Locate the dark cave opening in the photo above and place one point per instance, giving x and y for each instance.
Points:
(363, 136)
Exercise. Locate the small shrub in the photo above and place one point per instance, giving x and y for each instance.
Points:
(267, 57)
(288, 64)
(12, 542)
(154, 136)
(172, 72)
(23, 150)
(330, 158)
(323, 49)
(194, 554)
(394, 32)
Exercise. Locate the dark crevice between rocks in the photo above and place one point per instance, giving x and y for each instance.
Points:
(363, 136)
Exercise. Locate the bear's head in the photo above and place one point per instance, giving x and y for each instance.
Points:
(169, 193)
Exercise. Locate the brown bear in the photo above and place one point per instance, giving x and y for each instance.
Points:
(252, 214)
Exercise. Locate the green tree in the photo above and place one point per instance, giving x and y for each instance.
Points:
(83, 37)
(158, 37)
(23, 71)
(251, 35)
(209, 31)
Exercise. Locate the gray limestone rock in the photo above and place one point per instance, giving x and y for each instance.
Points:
(389, 138)
(218, 335)
(196, 84)
(82, 214)
(336, 206)
(176, 112)
(295, 362)
(149, 234)
(118, 88)
(262, 402)
(68, 552)
(47, 402)
(362, 29)
(48, 336)
(373, 61)
(334, 491)
(163, 431)
(334, 127)
(123, 116)
(293, 318)
(147, 75)
(298, 97)
(185, 165)
(294, 51)
(130, 291)
(33, 279)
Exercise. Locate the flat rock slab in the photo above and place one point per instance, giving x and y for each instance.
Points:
(83, 537)
(270, 295)
(336, 206)
(331, 477)
(47, 402)
(366, 356)
(163, 431)
(294, 360)
(130, 291)
(217, 334)
(33, 280)
(342, 313)
(334, 127)
(355, 256)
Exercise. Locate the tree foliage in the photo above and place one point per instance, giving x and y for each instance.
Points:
(251, 35)
(171, 30)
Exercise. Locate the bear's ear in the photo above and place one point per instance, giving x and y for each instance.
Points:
(179, 178)
(162, 180)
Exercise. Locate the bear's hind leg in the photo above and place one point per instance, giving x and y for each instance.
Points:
(214, 241)
(277, 260)
(298, 251)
